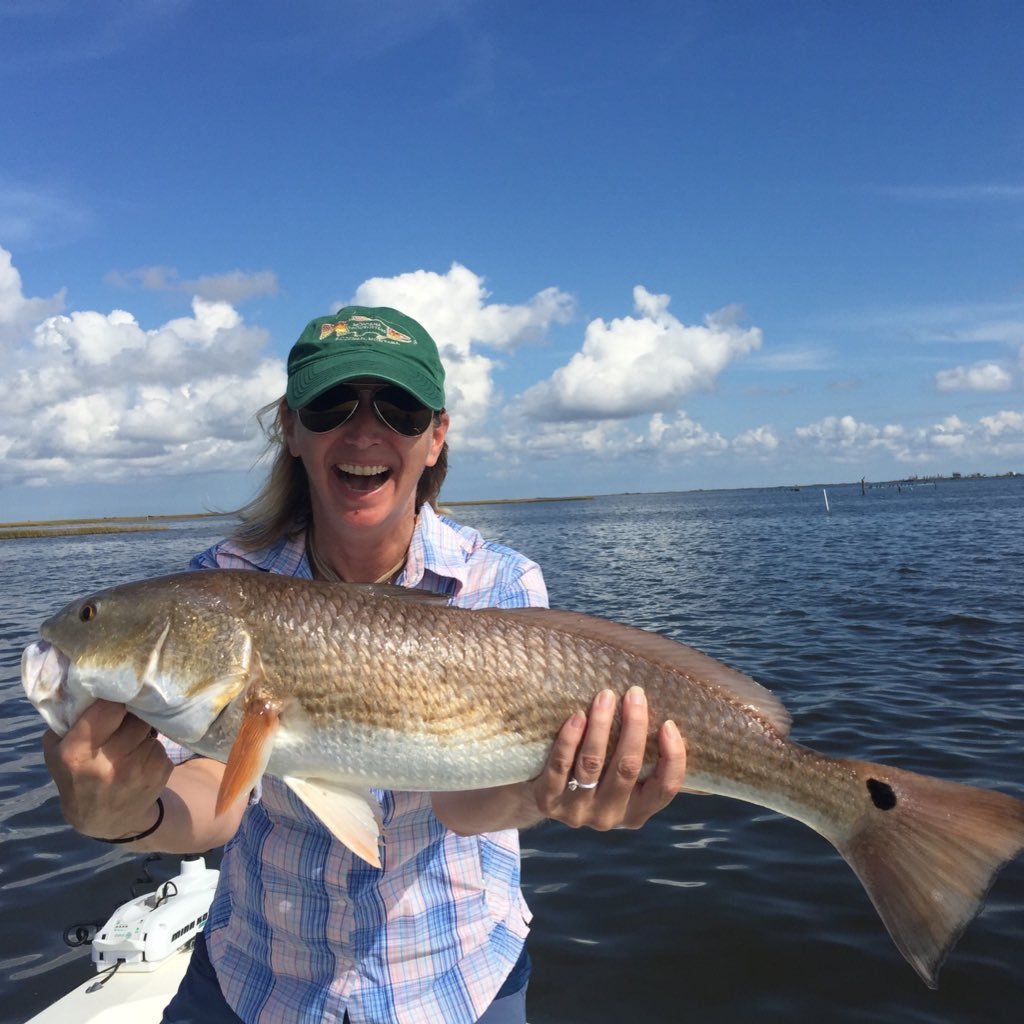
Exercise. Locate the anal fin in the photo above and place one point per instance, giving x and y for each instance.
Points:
(352, 815)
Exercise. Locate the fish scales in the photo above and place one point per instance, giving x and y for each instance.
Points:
(460, 671)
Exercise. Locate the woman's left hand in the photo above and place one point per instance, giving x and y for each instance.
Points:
(586, 784)
(608, 791)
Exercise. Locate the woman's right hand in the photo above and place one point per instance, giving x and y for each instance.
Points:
(109, 769)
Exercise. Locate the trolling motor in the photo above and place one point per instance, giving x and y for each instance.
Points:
(145, 931)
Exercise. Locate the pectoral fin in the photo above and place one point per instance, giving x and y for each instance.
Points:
(250, 752)
(352, 815)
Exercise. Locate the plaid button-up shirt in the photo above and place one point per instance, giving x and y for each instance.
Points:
(302, 930)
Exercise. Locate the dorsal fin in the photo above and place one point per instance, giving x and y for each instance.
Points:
(698, 667)
(389, 590)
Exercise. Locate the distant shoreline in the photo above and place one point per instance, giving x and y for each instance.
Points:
(110, 519)
(516, 501)
(139, 524)
(28, 532)
(30, 528)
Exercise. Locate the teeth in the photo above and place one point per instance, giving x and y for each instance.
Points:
(362, 470)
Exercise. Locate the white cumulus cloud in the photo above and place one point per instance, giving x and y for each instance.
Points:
(980, 377)
(615, 440)
(683, 435)
(641, 364)
(19, 313)
(1004, 423)
(845, 439)
(757, 440)
(91, 396)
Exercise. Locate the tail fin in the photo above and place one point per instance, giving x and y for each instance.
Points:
(927, 852)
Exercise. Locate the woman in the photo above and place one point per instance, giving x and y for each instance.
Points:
(300, 929)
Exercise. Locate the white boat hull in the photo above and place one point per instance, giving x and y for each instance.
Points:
(137, 998)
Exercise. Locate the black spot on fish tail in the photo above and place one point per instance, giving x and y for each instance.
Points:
(882, 795)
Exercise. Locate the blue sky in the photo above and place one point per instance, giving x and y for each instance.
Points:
(663, 245)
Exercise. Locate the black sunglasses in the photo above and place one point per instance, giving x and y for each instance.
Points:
(393, 406)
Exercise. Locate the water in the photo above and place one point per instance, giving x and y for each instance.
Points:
(892, 627)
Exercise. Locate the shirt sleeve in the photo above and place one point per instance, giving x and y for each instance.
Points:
(204, 560)
(526, 590)
(217, 558)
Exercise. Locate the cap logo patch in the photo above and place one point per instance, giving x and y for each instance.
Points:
(364, 328)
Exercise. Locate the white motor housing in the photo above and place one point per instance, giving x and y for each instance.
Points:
(144, 932)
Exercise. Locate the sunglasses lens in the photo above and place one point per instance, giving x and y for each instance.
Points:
(330, 409)
(394, 407)
(401, 412)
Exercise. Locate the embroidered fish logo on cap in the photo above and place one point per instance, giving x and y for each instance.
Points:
(327, 329)
(364, 328)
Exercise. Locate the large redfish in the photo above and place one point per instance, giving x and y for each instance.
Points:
(337, 688)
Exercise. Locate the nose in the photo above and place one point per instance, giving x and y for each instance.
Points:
(363, 424)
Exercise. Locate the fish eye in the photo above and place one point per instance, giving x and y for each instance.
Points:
(87, 612)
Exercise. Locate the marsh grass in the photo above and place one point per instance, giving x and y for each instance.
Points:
(22, 532)
(80, 527)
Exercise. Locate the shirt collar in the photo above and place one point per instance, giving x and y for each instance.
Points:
(437, 549)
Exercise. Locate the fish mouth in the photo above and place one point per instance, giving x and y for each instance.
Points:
(44, 674)
(362, 478)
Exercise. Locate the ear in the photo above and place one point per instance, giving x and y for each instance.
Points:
(438, 432)
(289, 425)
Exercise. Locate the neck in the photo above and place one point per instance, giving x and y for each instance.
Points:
(360, 561)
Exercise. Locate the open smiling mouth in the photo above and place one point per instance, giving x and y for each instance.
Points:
(362, 478)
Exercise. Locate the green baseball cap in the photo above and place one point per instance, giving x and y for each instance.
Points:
(365, 341)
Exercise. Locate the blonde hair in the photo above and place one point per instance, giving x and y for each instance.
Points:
(282, 506)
